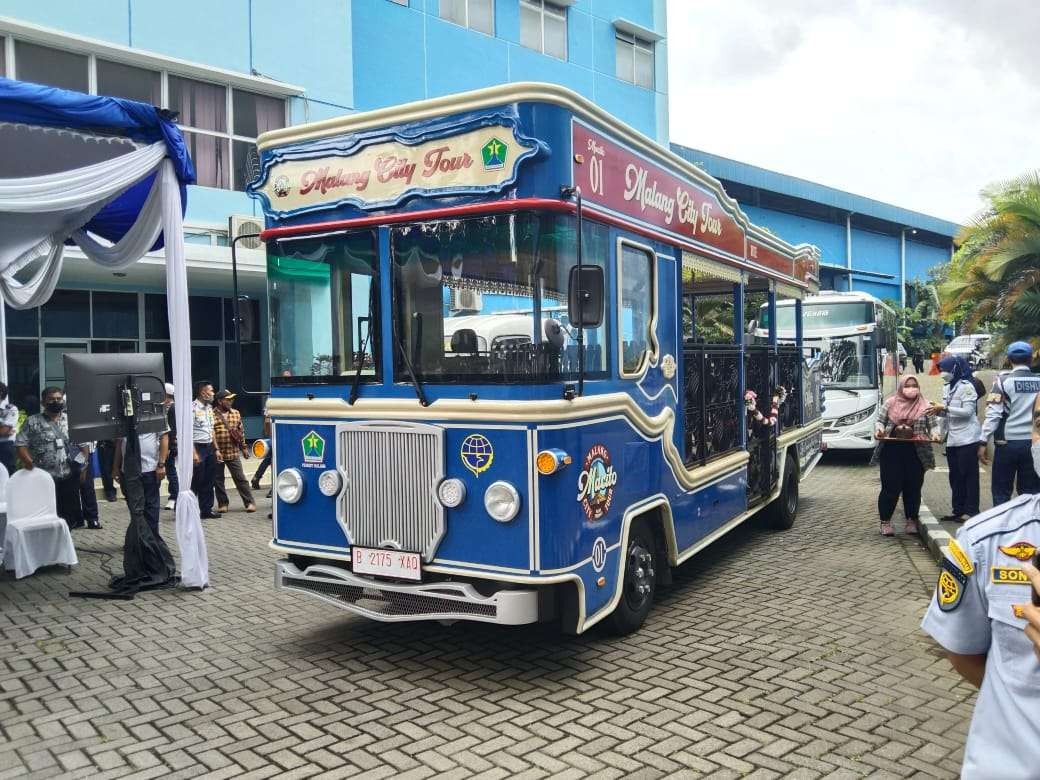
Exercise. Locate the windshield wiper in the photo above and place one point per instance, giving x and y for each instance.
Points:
(419, 393)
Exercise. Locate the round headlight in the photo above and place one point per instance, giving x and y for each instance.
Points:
(260, 448)
(290, 486)
(329, 483)
(451, 493)
(502, 501)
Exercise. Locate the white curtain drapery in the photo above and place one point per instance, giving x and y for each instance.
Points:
(38, 214)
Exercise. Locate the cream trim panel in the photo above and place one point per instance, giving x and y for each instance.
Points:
(789, 291)
(661, 425)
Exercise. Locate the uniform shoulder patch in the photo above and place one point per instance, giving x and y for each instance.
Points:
(960, 558)
(1021, 551)
(950, 589)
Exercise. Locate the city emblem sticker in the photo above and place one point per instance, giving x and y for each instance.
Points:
(282, 186)
(477, 453)
(596, 483)
(313, 448)
(494, 154)
(1008, 575)
(1022, 551)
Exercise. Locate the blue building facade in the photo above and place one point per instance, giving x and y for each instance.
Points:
(865, 244)
(234, 69)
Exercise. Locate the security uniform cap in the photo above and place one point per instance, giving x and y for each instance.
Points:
(1020, 350)
(971, 614)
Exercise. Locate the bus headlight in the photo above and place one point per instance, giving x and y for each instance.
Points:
(290, 486)
(856, 417)
(451, 493)
(502, 501)
(329, 483)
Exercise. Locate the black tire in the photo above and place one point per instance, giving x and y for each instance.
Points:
(639, 585)
(782, 512)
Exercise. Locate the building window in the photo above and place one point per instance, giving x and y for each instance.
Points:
(115, 79)
(635, 60)
(543, 27)
(114, 315)
(477, 15)
(53, 67)
(220, 123)
(67, 314)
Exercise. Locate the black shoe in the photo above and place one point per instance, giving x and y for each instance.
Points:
(212, 516)
(268, 494)
(73, 527)
(255, 484)
(94, 525)
(110, 498)
(950, 519)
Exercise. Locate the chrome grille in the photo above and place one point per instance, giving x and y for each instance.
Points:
(391, 474)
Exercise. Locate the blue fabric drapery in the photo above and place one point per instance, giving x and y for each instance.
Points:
(35, 104)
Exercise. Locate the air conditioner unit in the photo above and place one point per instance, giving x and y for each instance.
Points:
(467, 300)
(244, 225)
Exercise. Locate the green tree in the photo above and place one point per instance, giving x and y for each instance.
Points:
(994, 277)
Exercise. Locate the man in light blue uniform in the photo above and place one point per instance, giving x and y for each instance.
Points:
(1011, 402)
(973, 616)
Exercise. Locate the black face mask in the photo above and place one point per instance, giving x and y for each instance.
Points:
(54, 407)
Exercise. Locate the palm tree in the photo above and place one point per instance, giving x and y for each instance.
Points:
(995, 275)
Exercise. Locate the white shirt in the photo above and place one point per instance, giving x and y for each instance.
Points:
(201, 422)
(149, 443)
(8, 416)
(962, 417)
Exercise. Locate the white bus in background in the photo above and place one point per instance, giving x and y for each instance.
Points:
(859, 364)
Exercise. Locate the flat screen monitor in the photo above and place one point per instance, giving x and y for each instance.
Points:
(93, 398)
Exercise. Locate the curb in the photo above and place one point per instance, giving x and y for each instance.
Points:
(935, 537)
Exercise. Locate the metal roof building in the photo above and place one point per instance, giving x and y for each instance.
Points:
(865, 244)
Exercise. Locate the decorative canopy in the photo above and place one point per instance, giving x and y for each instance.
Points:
(110, 176)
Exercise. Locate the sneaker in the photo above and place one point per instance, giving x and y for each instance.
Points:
(911, 527)
(170, 505)
(887, 529)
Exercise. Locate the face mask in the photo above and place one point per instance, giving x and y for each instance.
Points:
(911, 392)
(1036, 458)
(54, 407)
(947, 376)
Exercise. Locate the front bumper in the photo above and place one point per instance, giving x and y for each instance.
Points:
(400, 602)
(857, 437)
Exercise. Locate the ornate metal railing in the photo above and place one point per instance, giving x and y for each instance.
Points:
(760, 369)
(789, 377)
(712, 401)
(812, 391)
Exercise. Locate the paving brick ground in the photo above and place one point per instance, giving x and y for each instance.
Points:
(794, 654)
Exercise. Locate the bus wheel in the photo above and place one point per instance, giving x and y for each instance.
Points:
(781, 514)
(640, 583)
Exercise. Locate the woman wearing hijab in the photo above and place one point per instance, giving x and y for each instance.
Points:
(959, 421)
(903, 463)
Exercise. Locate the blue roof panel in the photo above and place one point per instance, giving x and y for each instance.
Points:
(764, 179)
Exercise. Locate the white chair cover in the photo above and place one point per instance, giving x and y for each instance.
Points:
(35, 536)
(3, 506)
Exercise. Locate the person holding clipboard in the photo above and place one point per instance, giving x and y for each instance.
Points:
(904, 452)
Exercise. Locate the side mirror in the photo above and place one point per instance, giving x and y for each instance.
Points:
(585, 294)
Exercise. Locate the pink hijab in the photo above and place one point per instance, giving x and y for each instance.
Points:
(905, 410)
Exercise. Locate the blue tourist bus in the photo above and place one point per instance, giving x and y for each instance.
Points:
(516, 376)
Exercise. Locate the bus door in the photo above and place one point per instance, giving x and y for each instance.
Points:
(760, 379)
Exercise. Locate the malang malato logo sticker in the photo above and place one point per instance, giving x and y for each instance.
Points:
(596, 483)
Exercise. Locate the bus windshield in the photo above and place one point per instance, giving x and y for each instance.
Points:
(484, 299)
(850, 362)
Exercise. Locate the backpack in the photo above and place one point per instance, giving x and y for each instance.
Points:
(980, 388)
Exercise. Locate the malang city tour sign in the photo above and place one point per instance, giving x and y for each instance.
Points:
(629, 184)
(481, 160)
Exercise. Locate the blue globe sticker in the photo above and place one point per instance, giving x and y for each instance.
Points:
(477, 453)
